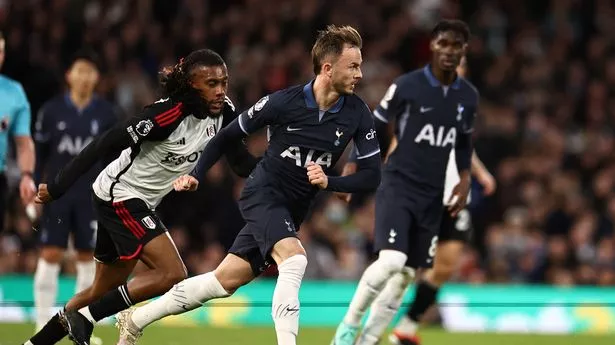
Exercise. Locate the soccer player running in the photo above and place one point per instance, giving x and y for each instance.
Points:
(65, 125)
(434, 110)
(454, 234)
(309, 126)
(159, 145)
(15, 122)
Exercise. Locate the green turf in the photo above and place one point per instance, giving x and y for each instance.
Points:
(14, 334)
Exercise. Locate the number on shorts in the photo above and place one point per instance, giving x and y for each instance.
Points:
(463, 220)
(433, 247)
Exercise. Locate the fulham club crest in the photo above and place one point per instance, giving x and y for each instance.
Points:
(211, 130)
(149, 222)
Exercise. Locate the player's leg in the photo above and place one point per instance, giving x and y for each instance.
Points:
(238, 268)
(85, 241)
(291, 259)
(393, 222)
(453, 235)
(385, 306)
(55, 226)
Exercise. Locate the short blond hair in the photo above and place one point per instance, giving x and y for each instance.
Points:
(330, 42)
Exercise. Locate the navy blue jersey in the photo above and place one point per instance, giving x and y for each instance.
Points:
(62, 131)
(300, 133)
(430, 120)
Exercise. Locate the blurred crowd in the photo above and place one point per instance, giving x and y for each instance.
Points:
(545, 70)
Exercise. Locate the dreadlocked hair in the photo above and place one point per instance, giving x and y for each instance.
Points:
(175, 81)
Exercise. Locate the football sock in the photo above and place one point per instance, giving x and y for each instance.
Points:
(285, 304)
(109, 304)
(51, 333)
(186, 295)
(45, 290)
(372, 282)
(384, 308)
(85, 275)
(424, 298)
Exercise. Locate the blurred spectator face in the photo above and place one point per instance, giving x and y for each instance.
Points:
(82, 77)
(345, 73)
(2, 49)
(212, 83)
(448, 48)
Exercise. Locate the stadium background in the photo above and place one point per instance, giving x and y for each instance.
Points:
(545, 70)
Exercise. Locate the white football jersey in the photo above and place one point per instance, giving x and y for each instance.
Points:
(167, 144)
(452, 179)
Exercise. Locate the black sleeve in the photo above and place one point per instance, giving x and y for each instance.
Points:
(366, 179)
(217, 146)
(155, 123)
(464, 145)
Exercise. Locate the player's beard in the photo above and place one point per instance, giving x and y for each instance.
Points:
(342, 88)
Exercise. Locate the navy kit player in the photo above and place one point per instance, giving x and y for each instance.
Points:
(65, 125)
(309, 127)
(433, 110)
(158, 146)
(454, 235)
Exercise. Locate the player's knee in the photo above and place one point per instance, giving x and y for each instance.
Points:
(52, 254)
(391, 261)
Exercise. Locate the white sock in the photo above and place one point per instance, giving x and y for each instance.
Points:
(45, 290)
(85, 275)
(186, 295)
(285, 304)
(28, 343)
(372, 282)
(385, 307)
(406, 326)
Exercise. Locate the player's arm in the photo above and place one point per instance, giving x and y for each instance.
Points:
(367, 176)
(463, 158)
(152, 124)
(483, 175)
(20, 129)
(241, 161)
(261, 114)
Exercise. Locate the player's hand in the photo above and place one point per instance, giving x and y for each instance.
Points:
(488, 182)
(186, 183)
(42, 196)
(27, 189)
(459, 197)
(349, 169)
(317, 176)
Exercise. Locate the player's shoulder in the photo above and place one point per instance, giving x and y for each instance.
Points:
(11, 85)
(283, 96)
(414, 76)
(164, 112)
(54, 103)
(354, 102)
(469, 88)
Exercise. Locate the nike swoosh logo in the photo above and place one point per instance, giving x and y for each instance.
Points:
(290, 129)
(424, 110)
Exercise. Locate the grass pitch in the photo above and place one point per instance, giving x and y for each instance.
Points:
(16, 334)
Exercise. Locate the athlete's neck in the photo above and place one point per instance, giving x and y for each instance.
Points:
(324, 93)
(444, 77)
(80, 100)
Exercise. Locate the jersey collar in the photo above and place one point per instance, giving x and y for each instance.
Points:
(435, 82)
(310, 100)
(70, 103)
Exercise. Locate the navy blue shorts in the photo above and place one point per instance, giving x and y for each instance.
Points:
(267, 222)
(407, 220)
(456, 229)
(69, 216)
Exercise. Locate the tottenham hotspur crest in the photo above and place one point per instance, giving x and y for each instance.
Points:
(339, 134)
(459, 111)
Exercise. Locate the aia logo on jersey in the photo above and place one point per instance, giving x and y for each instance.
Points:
(73, 145)
(211, 130)
(440, 137)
